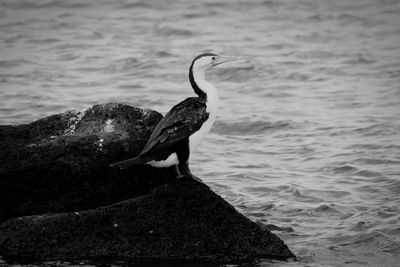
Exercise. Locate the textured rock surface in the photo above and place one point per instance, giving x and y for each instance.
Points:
(60, 163)
(182, 220)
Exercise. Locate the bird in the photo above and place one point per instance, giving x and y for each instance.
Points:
(183, 128)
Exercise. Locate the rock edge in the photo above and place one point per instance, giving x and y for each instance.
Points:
(180, 221)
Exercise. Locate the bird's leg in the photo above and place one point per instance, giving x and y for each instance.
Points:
(178, 173)
(184, 169)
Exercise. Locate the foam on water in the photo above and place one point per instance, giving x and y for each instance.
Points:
(306, 142)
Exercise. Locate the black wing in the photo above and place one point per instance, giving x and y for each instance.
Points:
(180, 122)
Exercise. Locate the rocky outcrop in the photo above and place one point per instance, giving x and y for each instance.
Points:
(61, 163)
(56, 171)
(180, 221)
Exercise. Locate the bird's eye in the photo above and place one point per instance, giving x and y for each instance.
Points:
(213, 58)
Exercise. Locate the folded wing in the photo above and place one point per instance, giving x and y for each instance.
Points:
(179, 123)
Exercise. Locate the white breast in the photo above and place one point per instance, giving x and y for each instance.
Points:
(212, 107)
(196, 138)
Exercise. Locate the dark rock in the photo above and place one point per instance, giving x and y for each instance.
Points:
(180, 221)
(61, 163)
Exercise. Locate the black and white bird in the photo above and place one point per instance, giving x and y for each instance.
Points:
(183, 128)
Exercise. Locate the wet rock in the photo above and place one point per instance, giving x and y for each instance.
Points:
(180, 221)
(61, 163)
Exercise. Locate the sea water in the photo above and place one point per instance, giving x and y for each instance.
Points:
(307, 139)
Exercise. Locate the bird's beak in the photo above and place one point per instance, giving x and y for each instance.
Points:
(222, 60)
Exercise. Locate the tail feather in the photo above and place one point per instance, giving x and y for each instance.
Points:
(129, 162)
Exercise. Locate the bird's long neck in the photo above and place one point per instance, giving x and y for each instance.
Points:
(203, 88)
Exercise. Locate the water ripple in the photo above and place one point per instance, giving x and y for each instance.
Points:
(250, 127)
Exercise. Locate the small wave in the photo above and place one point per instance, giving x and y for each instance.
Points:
(270, 3)
(255, 215)
(278, 95)
(366, 21)
(68, 47)
(261, 189)
(44, 4)
(214, 4)
(366, 173)
(13, 63)
(395, 231)
(377, 129)
(320, 17)
(315, 37)
(208, 14)
(43, 41)
(130, 86)
(326, 209)
(372, 161)
(12, 39)
(360, 226)
(365, 146)
(68, 56)
(394, 187)
(384, 214)
(344, 169)
(280, 46)
(273, 227)
(250, 128)
(305, 198)
(121, 65)
(349, 18)
(297, 76)
(8, 110)
(138, 4)
(252, 166)
(267, 207)
(60, 4)
(350, 105)
(319, 54)
(164, 54)
(95, 35)
(168, 32)
(376, 239)
(360, 59)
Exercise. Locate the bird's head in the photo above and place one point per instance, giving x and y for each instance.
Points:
(200, 65)
(207, 61)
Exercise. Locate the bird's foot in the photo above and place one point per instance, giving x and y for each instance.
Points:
(193, 178)
(183, 172)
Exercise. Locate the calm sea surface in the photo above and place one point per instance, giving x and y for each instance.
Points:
(308, 134)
